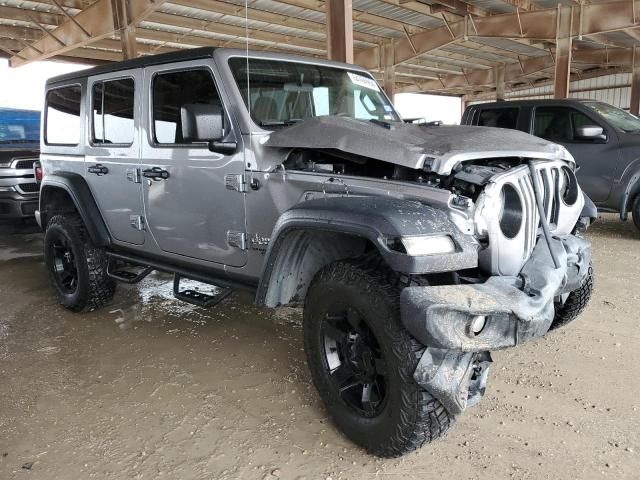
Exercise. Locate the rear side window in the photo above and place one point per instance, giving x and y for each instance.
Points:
(499, 117)
(112, 108)
(63, 116)
(173, 90)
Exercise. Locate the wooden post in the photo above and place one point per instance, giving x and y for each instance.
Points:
(562, 73)
(634, 106)
(389, 83)
(121, 23)
(340, 30)
(500, 84)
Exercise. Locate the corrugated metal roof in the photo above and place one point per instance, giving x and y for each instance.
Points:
(404, 15)
(301, 28)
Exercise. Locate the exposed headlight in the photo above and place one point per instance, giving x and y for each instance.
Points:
(429, 245)
(569, 189)
(511, 211)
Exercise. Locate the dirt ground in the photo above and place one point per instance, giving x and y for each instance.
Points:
(152, 388)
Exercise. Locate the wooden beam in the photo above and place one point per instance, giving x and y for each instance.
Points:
(97, 19)
(70, 17)
(634, 105)
(340, 30)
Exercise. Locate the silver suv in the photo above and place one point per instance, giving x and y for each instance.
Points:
(414, 249)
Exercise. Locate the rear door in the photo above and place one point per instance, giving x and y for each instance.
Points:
(195, 209)
(558, 124)
(113, 150)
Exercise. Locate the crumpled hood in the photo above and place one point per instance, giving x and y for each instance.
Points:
(414, 146)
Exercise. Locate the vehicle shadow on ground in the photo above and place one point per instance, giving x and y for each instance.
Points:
(18, 227)
(610, 225)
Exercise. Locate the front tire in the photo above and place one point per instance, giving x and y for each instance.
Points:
(362, 361)
(575, 304)
(77, 269)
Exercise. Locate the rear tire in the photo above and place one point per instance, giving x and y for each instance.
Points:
(362, 361)
(576, 303)
(77, 269)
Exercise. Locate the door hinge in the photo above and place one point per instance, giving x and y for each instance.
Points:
(133, 175)
(237, 239)
(233, 181)
(137, 222)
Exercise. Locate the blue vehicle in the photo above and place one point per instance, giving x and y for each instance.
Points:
(19, 150)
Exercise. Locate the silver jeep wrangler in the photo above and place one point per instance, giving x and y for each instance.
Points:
(414, 249)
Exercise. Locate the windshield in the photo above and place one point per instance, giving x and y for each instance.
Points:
(283, 93)
(616, 117)
(19, 126)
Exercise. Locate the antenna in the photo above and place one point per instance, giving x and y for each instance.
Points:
(246, 36)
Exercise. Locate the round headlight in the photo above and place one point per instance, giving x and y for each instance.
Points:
(511, 213)
(569, 190)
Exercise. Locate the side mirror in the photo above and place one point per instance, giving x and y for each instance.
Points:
(590, 132)
(202, 122)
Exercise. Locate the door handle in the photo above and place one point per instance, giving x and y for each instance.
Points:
(98, 169)
(155, 173)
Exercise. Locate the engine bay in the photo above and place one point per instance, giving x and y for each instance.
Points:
(467, 179)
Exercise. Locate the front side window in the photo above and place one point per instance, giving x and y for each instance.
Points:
(499, 118)
(63, 116)
(113, 102)
(173, 90)
(559, 124)
(618, 118)
(280, 93)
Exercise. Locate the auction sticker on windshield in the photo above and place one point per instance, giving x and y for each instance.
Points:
(363, 81)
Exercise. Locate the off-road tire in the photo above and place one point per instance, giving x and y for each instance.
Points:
(576, 302)
(93, 288)
(635, 211)
(411, 416)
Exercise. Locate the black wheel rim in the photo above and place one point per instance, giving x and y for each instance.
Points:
(354, 362)
(65, 269)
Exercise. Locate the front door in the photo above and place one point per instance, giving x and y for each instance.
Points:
(189, 209)
(596, 159)
(113, 150)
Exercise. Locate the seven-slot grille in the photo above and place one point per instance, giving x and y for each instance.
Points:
(551, 181)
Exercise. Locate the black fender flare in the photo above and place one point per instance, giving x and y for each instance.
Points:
(375, 219)
(78, 190)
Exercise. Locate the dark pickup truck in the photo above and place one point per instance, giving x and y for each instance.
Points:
(603, 139)
(19, 150)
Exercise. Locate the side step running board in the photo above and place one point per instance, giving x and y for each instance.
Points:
(197, 298)
(127, 276)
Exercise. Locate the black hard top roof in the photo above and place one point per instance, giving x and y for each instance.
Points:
(516, 103)
(149, 60)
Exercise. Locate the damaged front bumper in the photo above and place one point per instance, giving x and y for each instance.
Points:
(459, 322)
